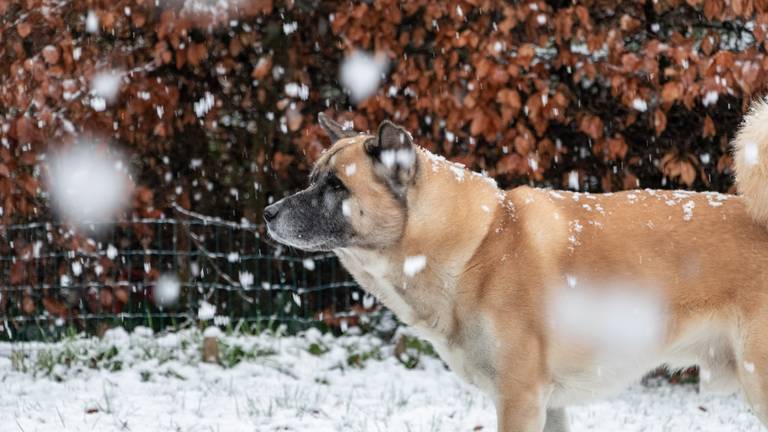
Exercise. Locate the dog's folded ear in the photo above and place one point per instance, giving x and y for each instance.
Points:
(394, 155)
(333, 129)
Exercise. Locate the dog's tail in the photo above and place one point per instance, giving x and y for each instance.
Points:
(751, 160)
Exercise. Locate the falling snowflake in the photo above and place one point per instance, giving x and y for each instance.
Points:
(206, 311)
(710, 98)
(87, 184)
(573, 180)
(616, 318)
(92, 22)
(414, 264)
(246, 279)
(360, 74)
(204, 105)
(308, 264)
(167, 290)
(106, 85)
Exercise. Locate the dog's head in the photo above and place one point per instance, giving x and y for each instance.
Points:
(357, 193)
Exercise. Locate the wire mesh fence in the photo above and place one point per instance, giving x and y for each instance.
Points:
(55, 279)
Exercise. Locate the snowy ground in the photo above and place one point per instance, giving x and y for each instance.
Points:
(143, 382)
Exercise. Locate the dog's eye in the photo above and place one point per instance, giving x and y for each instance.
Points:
(336, 184)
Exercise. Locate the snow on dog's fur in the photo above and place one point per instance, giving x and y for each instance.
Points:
(545, 298)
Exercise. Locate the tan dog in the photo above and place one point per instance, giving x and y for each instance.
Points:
(541, 298)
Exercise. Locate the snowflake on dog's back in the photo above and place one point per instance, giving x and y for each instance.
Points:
(487, 179)
(688, 210)
(439, 162)
(459, 170)
(556, 194)
(683, 194)
(686, 198)
(435, 160)
(600, 209)
(715, 199)
(529, 199)
(596, 224)
(508, 205)
(575, 227)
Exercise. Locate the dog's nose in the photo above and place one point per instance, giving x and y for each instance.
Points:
(270, 212)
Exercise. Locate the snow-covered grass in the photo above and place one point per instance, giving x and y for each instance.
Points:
(269, 382)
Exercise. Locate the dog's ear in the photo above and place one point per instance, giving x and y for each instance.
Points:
(394, 155)
(333, 129)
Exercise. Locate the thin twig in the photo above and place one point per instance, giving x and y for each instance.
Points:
(219, 273)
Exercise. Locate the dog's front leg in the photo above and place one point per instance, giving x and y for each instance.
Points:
(521, 412)
(523, 386)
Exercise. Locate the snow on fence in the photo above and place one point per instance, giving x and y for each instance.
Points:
(164, 272)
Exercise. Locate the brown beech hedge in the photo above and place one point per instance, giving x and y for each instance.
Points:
(217, 101)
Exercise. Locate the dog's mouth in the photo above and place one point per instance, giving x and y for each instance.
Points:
(298, 243)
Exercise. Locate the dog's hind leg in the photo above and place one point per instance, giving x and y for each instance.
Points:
(557, 420)
(752, 364)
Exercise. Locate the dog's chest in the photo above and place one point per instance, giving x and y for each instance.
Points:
(374, 274)
(468, 351)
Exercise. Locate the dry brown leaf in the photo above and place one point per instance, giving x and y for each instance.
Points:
(24, 29)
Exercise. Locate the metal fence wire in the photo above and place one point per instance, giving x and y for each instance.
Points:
(55, 279)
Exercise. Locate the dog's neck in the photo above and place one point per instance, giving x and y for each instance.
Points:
(450, 210)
